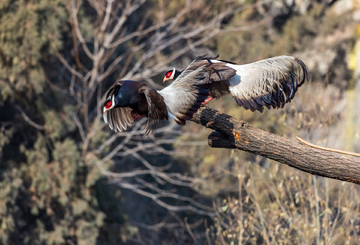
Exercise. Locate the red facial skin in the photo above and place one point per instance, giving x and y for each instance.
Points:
(107, 106)
(167, 76)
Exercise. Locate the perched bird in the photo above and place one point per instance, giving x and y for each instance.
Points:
(270, 83)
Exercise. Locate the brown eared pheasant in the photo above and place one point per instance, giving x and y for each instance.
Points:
(267, 83)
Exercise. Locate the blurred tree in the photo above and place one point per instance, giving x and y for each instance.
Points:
(46, 193)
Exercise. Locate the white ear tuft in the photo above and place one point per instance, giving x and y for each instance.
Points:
(112, 102)
(173, 73)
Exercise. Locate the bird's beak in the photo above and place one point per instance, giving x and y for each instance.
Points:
(164, 80)
(104, 110)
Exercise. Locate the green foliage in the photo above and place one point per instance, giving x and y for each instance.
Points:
(53, 186)
(5, 135)
(48, 193)
(10, 188)
(25, 27)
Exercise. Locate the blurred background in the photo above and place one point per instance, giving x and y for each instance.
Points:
(66, 178)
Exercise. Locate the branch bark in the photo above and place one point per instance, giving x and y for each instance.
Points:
(232, 133)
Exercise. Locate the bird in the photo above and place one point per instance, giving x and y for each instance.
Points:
(127, 101)
(267, 83)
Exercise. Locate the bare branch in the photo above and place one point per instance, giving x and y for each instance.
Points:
(80, 127)
(162, 193)
(245, 137)
(77, 30)
(190, 232)
(65, 63)
(163, 204)
(29, 121)
(107, 15)
(328, 149)
(148, 30)
(120, 146)
(129, 9)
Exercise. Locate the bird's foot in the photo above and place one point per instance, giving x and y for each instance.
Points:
(136, 116)
(207, 100)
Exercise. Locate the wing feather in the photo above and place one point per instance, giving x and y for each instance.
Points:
(184, 96)
(157, 109)
(268, 83)
(119, 118)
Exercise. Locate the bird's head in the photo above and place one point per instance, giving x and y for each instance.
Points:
(109, 104)
(170, 75)
(126, 95)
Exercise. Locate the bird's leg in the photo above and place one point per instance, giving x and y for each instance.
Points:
(207, 100)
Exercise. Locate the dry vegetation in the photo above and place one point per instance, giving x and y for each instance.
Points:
(264, 202)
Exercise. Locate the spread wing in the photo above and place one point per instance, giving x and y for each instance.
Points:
(157, 109)
(270, 83)
(119, 118)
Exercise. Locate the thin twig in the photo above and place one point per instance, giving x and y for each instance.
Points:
(80, 127)
(29, 121)
(328, 149)
(163, 204)
(77, 30)
(318, 233)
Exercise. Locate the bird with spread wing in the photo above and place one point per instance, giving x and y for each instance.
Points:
(267, 83)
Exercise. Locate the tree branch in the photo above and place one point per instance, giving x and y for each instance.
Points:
(233, 133)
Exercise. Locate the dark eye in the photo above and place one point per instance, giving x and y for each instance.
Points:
(168, 74)
(108, 105)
